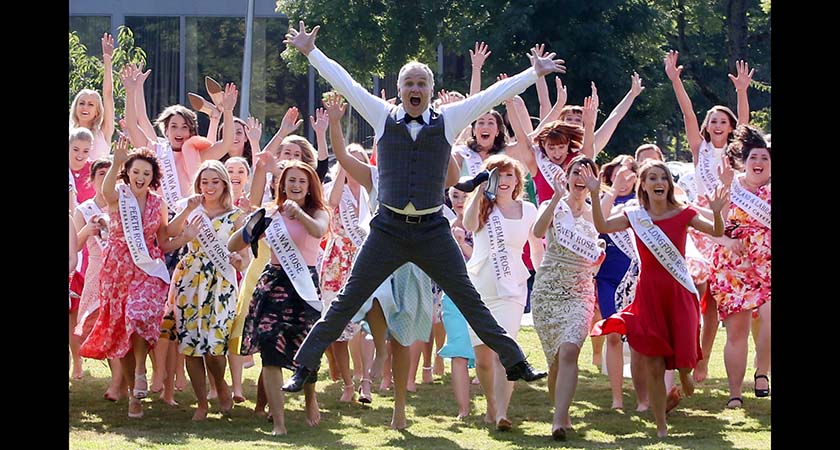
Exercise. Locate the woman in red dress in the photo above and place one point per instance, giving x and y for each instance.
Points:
(663, 322)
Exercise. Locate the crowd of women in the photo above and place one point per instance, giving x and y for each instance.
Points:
(196, 252)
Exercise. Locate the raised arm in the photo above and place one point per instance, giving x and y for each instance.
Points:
(129, 79)
(354, 168)
(143, 115)
(615, 223)
(453, 171)
(221, 148)
(742, 85)
(337, 187)
(84, 230)
(590, 115)
(316, 225)
(521, 148)
(372, 108)
(264, 162)
(109, 184)
(545, 214)
(717, 202)
(174, 228)
(472, 208)
(253, 129)
(606, 130)
(554, 114)
(320, 123)
(477, 58)
(108, 87)
(692, 129)
(460, 114)
(542, 86)
(213, 127)
(291, 122)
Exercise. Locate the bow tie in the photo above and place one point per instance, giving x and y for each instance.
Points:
(418, 119)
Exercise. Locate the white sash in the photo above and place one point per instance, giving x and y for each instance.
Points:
(72, 180)
(214, 246)
(449, 214)
(752, 204)
(89, 208)
(349, 219)
(132, 222)
(471, 159)
(292, 261)
(499, 253)
(662, 248)
(706, 170)
(547, 168)
(169, 183)
(567, 236)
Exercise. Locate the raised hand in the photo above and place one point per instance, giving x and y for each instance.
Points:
(544, 65)
(265, 160)
(229, 97)
(244, 203)
(392, 100)
(141, 76)
(128, 77)
(595, 96)
(121, 150)
(590, 109)
(589, 178)
(623, 177)
(559, 183)
(336, 106)
(479, 55)
(744, 78)
(502, 76)
(671, 69)
(253, 129)
(320, 122)
(536, 51)
(301, 40)
(719, 198)
(107, 46)
(562, 93)
(290, 121)
(725, 172)
(636, 87)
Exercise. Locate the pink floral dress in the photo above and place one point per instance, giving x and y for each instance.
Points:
(131, 301)
(742, 282)
(335, 268)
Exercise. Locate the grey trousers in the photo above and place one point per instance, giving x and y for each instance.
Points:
(390, 244)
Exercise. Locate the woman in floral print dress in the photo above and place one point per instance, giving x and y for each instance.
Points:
(205, 294)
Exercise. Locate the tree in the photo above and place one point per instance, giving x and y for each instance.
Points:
(87, 72)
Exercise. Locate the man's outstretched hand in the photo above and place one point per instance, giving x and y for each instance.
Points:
(301, 40)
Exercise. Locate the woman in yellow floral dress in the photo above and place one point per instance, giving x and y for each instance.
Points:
(204, 288)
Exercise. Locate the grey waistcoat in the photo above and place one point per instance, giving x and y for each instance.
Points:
(410, 170)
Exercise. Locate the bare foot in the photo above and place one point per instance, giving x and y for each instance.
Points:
(673, 399)
(112, 394)
(398, 420)
(238, 397)
(503, 424)
(212, 395)
(200, 414)
(490, 417)
(700, 372)
(169, 401)
(642, 407)
(226, 404)
(385, 385)
(439, 366)
(313, 413)
(347, 394)
(686, 383)
(279, 431)
(180, 382)
(411, 386)
(427, 375)
(596, 360)
(462, 415)
(78, 372)
(662, 432)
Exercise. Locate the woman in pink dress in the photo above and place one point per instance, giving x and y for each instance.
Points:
(132, 300)
(741, 279)
(662, 324)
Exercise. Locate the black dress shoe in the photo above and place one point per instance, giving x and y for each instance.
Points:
(492, 185)
(301, 376)
(470, 185)
(255, 225)
(524, 371)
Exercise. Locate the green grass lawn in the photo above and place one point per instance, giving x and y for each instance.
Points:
(700, 422)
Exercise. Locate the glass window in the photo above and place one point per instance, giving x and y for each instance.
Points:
(90, 30)
(160, 38)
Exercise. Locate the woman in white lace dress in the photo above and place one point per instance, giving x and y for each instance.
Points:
(563, 299)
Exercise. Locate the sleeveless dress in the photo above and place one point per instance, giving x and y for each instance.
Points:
(742, 283)
(563, 300)
(335, 266)
(131, 301)
(664, 318)
(205, 301)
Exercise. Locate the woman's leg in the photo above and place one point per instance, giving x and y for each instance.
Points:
(565, 384)
(484, 368)
(461, 386)
(236, 363)
(341, 354)
(597, 341)
(735, 351)
(615, 368)
(272, 379)
(75, 343)
(504, 391)
(439, 334)
(639, 372)
(195, 367)
(656, 391)
(762, 360)
(216, 372)
(401, 355)
(313, 411)
(711, 321)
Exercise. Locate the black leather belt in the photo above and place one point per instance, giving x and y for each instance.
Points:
(410, 218)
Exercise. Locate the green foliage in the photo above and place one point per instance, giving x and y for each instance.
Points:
(87, 72)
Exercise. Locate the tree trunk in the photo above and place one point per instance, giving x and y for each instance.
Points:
(736, 37)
